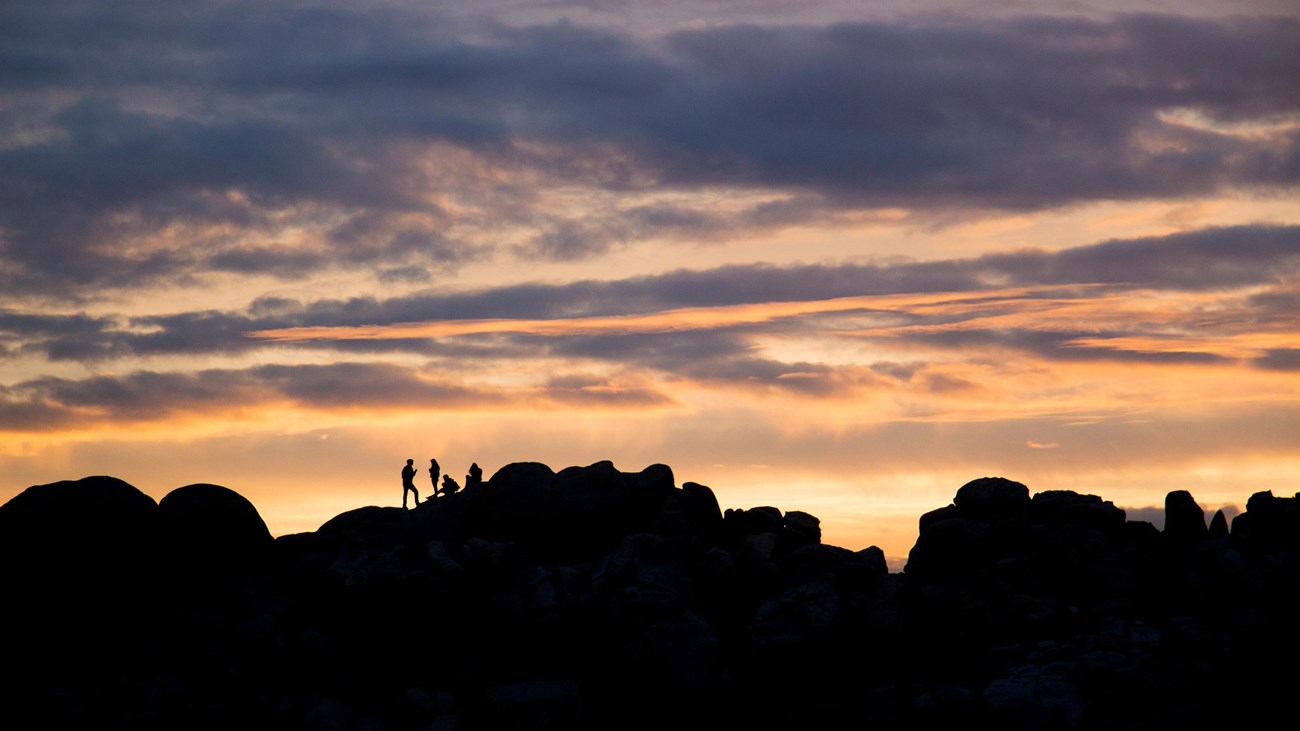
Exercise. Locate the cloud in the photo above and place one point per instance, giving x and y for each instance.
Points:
(397, 137)
(587, 390)
(944, 384)
(1051, 344)
(1057, 305)
(1208, 297)
(145, 397)
(1209, 259)
(1279, 359)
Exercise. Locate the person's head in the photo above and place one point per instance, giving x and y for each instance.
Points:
(410, 461)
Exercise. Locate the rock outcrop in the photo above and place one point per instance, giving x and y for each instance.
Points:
(592, 598)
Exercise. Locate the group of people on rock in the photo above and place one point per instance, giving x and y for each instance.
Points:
(448, 487)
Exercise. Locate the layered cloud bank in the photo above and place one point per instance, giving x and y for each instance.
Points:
(1061, 246)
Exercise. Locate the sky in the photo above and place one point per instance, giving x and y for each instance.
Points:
(829, 256)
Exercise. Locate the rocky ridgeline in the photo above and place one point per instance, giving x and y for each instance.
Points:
(598, 599)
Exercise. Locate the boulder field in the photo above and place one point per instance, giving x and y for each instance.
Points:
(592, 598)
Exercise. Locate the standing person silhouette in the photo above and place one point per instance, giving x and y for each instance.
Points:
(408, 482)
(434, 469)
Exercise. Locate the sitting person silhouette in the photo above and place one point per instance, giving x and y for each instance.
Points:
(449, 485)
(475, 476)
(434, 469)
(408, 482)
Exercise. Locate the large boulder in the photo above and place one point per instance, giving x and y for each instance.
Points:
(577, 509)
(1184, 519)
(1058, 508)
(80, 595)
(692, 510)
(211, 526)
(986, 521)
(992, 499)
(80, 529)
(1269, 524)
(948, 549)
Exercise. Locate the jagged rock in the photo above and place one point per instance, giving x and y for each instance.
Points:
(1270, 523)
(762, 519)
(1057, 507)
(1218, 525)
(948, 548)
(939, 514)
(1184, 519)
(803, 528)
(704, 504)
(874, 558)
(692, 510)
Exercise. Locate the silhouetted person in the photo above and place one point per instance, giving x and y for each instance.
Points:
(408, 482)
(475, 476)
(434, 469)
(449, 485)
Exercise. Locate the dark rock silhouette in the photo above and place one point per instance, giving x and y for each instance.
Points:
(593, 598)
(1184, 519)
(211, 526)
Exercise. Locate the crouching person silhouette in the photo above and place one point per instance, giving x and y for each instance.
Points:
(449, 485)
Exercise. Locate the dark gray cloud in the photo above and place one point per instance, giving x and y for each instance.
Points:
(719, 356)
(125, 120)
(58, 337)
(372, 385)
(394, 275)
(1056, 344)
(580, 390)
(1213, 259)
(1204, 260)
(23, 324)
(147, 396)
(1021, 113)
(1200, 260)
(1279, 359)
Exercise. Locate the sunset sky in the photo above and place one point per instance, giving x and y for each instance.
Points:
(830, 256)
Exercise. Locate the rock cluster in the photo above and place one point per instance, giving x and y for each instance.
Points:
(594, 598)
